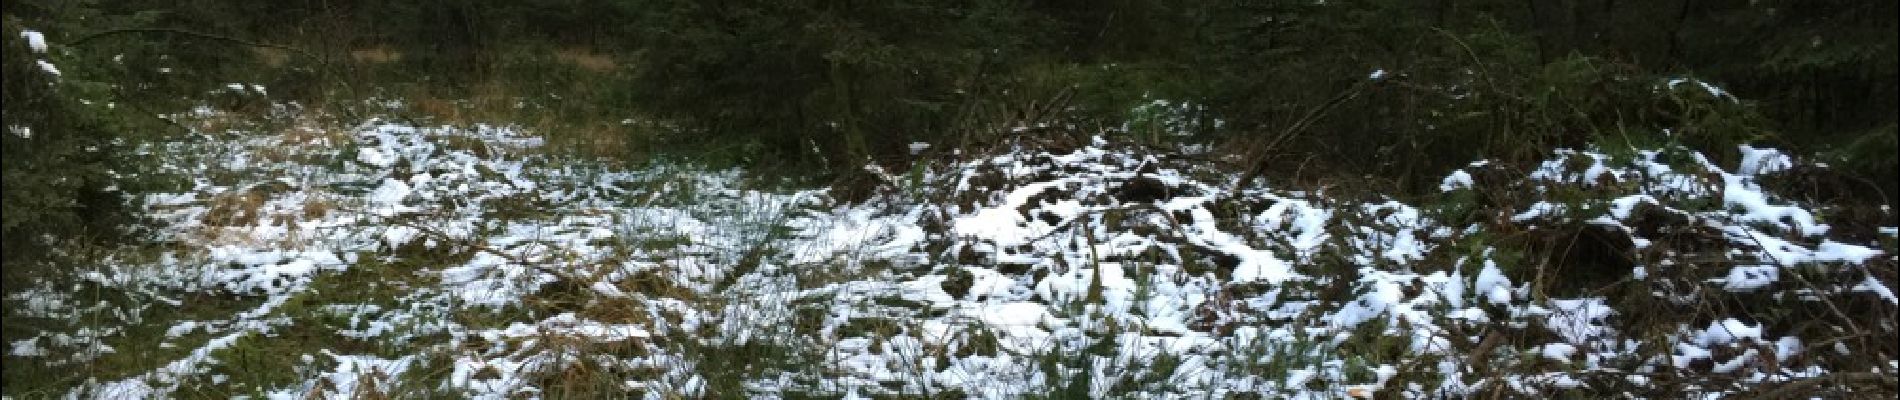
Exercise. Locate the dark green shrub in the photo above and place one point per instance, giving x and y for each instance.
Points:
(856, 80)
(62, 157)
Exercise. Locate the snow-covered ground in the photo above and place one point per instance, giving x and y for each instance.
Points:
(414, 260)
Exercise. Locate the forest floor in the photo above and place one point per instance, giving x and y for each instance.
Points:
(309, 258)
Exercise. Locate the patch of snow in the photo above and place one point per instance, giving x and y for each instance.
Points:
(1762, 161)
(1457, 180)
(1492, 285)
(1747, 278)
(34, 40)
(29, 347)
(49, 68)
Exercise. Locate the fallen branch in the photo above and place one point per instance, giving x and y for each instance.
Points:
(1804, 388)
(472, 244)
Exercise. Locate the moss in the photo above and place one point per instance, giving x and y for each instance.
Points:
(957, 282)
(726, 367)
(872, 327)
(136, 346)
(977, 342)
(253, 364)
(899, 302)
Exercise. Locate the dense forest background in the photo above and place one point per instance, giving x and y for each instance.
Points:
(1395, 91)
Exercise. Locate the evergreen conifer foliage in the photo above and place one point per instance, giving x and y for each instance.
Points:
(60, 155)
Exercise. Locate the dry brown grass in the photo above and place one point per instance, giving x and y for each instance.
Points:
(278, 58)
(591, 139)
(233, 218)
(488, 101)
(235, 208)
(318, 206)
(221, 122)
(437, 108)
(376, 55)
(274, 58)
(573, 123)
(293, 142)
(566, 128)
(586, 59)
(214, 236)
(366, 387)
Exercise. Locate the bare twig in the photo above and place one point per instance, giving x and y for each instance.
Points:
(1294, 130)
(1482, 70)
(114, 32)
(1811, 286)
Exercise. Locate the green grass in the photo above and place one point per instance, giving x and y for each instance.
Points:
(137, 325)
